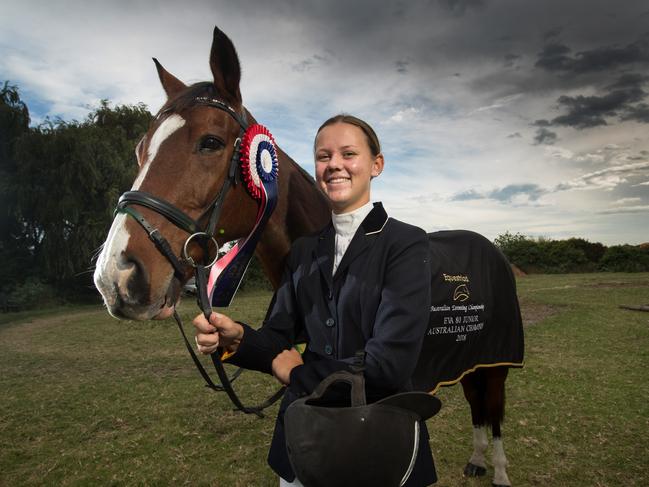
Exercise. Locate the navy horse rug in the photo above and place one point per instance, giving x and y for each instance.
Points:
(475, 319)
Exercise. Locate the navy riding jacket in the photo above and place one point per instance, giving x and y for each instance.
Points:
(377, 301)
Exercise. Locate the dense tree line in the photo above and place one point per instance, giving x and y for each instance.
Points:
(571, 255)
(60, 182)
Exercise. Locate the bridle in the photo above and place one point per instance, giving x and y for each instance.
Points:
(204, 235)
(177, 216)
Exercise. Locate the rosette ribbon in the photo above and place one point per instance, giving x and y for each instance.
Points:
(259, 171)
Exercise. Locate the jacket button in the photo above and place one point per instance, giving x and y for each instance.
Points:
(330, 322)
(328, 349)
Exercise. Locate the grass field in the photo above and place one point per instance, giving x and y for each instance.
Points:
(89, 400)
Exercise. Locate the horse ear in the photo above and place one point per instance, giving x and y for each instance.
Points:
(224, 64)
(170, 83)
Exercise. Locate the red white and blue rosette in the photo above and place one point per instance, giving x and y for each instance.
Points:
(258, 159)
(259, 172)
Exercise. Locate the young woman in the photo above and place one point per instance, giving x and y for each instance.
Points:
(362, 283)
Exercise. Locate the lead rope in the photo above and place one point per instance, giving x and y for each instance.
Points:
(206, 308)
(226, 382)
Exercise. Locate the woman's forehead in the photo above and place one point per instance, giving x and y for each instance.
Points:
(340, 134)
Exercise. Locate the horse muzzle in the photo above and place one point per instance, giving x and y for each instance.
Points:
(126, 285)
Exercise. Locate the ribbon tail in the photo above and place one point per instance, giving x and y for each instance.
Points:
(227, 273)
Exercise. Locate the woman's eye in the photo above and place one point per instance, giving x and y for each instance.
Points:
(348, 154)
(210, 143)
(322, 157)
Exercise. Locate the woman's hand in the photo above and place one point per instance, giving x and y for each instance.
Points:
(284, 363)
(220, 331)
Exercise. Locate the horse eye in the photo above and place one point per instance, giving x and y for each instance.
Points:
(209, 143)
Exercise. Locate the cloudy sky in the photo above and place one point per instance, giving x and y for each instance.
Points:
(495, 115)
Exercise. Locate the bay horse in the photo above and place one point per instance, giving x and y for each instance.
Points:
(185, 159)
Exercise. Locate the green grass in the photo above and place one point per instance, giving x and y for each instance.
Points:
(87, 400)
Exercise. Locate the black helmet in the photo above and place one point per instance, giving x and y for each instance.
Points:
(361, 444)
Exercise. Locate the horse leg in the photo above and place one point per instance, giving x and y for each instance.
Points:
(495, 378)
(473, 386)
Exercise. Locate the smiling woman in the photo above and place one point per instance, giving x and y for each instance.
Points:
(347, 157)
(359, 285)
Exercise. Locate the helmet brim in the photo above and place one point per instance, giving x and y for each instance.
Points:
(421, 403)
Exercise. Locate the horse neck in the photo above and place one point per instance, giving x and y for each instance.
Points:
(301, 210)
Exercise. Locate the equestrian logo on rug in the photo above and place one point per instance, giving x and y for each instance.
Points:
(461, 293)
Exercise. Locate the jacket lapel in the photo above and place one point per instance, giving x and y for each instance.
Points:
(364, 236)
(324, 253)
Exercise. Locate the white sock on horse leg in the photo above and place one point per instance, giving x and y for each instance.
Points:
(500, 463)
(480, 443)
(285, 483)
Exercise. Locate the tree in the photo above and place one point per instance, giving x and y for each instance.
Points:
(14, 123)
(67, 183)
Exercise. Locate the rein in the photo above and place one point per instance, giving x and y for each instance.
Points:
(257, 162)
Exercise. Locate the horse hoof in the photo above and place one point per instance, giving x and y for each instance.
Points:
(472, 470)
(500, 485)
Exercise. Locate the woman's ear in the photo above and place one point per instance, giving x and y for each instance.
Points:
(377, 165)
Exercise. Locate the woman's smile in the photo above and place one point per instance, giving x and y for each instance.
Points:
(345, 166)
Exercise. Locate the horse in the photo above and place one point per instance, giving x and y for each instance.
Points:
(187, 163)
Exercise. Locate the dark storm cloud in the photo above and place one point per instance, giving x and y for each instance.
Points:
(550, 33)
(556, 57)
(510, 58)
(545, 136)
(402, 66)
(591, 111)
(638, 113)
(461, 6)
(623, 100)
(629, 80)
(309, 63)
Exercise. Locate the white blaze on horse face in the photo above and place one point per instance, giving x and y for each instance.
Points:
(111, 277)
(162, 133)
(107, 271)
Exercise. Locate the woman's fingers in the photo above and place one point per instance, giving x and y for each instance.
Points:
(219, 331)
(207, 338)
(207, 343)
(202, 325)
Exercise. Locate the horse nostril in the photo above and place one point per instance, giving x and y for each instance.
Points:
(137, 284)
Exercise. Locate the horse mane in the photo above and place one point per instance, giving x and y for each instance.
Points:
(304, 172)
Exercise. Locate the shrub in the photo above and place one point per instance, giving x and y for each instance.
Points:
(625, 258)
(32, 293)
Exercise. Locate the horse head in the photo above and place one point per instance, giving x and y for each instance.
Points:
(184, 161)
